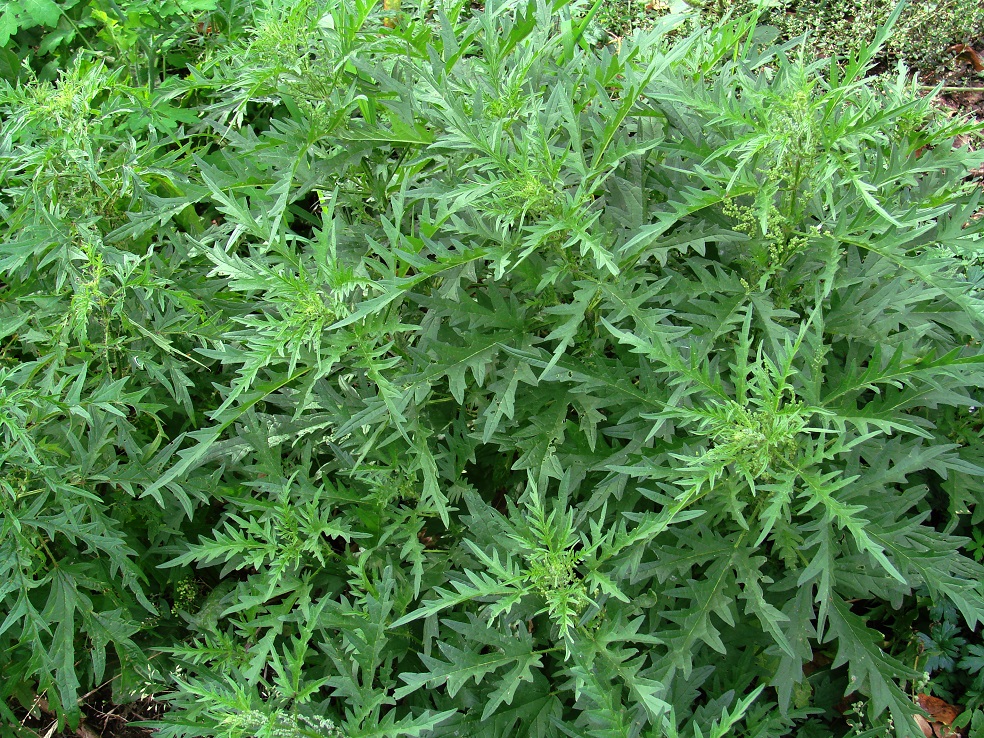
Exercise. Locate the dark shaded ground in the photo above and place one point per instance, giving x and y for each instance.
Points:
(102, 719)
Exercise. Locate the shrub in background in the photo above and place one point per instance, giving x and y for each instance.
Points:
(152, 38)
(455, 377)
(922, 38)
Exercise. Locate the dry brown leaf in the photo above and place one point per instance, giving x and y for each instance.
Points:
(924, 726)
(939, 710)
(964, 51)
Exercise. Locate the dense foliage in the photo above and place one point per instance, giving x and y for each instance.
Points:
(437, 372)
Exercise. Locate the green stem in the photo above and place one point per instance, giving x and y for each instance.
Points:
(978, 88)
(78, 31)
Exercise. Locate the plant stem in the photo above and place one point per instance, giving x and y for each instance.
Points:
(953, 89)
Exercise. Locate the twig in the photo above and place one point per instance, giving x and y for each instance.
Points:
(39, 701)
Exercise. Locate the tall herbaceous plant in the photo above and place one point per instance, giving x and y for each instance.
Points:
(454, 377)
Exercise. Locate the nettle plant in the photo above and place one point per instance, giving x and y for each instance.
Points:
(556, 390)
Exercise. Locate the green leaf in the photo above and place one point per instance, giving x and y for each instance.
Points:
(42, 12)
(870, 669)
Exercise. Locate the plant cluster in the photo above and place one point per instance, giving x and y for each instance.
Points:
(437, 372)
